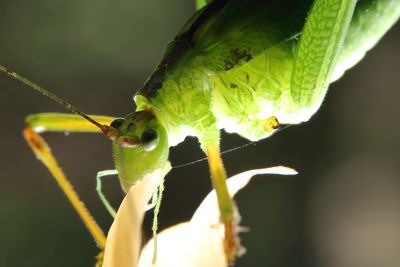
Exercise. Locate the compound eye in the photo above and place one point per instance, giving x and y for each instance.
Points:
(149, 139)
(117, 123)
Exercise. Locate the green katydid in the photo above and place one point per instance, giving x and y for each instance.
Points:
(236, 65)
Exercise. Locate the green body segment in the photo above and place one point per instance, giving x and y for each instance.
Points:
(133, 163)
(231, 66)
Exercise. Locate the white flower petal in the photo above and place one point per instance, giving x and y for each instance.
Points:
(185, 245)
(199, 243)
(124, 238)
(208, 210)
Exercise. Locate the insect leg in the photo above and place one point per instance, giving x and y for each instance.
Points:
(63, 122)
(107, 204)
(153, 201)
(225, 202)
(319, 47)
(157, 197)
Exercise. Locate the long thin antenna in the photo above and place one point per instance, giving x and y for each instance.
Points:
(227, 151)
(51, 95)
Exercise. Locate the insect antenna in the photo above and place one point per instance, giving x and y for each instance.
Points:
(103, 128)
(226, 151)
(205, 158)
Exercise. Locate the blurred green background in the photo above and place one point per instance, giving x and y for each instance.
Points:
(343, 209)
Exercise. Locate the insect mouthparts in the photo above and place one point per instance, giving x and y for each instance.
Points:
(127, 141)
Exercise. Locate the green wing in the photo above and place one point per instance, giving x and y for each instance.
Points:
(247, 50)
(252, 62)
(243, 30)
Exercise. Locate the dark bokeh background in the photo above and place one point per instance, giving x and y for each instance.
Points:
(343, 209)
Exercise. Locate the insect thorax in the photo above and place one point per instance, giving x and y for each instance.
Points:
(192, 101)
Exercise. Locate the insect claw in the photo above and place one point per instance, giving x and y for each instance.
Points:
(270, 124)
(230, 242)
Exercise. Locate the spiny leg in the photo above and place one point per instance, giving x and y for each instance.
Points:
(42, 151)
(318, 50)
(153, 202)
(63, 122)
(225, 202)
(103, 199)
(156, 199)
